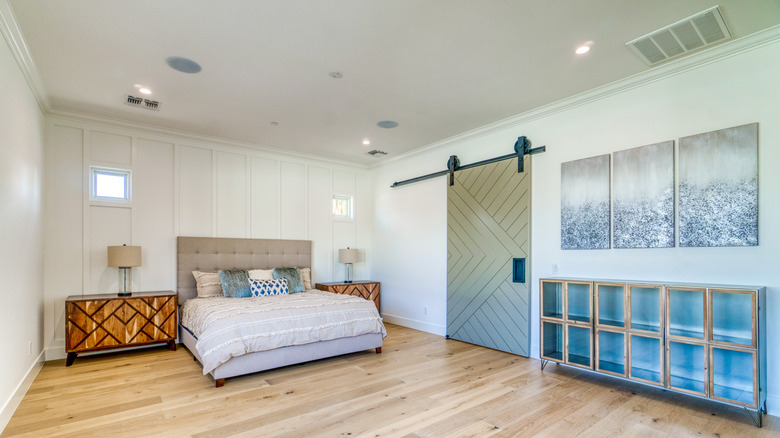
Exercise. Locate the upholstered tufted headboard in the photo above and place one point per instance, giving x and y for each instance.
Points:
(210, 254)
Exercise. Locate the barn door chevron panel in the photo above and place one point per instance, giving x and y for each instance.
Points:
(488, 213)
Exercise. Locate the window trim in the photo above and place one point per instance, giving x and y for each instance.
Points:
(94, 171)
(350, 207)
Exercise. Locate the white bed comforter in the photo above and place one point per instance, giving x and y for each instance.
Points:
(231, 327)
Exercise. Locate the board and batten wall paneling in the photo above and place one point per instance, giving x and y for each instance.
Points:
(264, 199)
(293, 193)
(232, 198)
(108, 226)
(320, 197)
(192, 188)
(195, 188)
(364, 225)
(153, 215)
(344, 229)
(110, 148)
(63, 243)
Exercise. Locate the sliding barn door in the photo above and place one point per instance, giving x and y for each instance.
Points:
(488, 213)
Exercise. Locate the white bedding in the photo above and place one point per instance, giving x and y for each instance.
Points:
(231, 327)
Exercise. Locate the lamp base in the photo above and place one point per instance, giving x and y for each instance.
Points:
(348, 272)
(124, 282)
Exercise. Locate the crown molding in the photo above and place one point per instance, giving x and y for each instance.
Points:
(13, 36)
(669, 69)
(182, 137)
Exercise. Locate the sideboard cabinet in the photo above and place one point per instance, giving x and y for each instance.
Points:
(704, 340)
(110, 321)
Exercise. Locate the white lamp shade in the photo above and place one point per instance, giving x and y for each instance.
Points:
(124, 256)
(349, 255)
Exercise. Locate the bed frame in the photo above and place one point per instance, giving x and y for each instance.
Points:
(210, 254)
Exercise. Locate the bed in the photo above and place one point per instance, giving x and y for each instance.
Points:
(213, 254)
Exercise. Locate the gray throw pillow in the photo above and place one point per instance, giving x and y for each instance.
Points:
(293, 276)
(235, 283)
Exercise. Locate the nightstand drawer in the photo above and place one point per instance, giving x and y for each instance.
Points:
(101, 322)
(370, 290)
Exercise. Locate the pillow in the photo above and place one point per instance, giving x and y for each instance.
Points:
(208, 284)
(235, 283)
(261, 274)
(293, 276)
(262, 288)
(306, 277)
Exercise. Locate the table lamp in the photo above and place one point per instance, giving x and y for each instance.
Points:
(348, 257)
(124, 257)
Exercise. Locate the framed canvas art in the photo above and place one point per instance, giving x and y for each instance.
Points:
(585, 203)
(643, 196)
(718, 189)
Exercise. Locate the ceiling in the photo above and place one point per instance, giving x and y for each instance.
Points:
(437, 67)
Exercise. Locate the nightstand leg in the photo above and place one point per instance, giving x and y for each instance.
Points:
(70, 359)
(172, 345)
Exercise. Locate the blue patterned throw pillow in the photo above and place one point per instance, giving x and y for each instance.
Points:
(293, 276)
(262, 288)
(235, 283)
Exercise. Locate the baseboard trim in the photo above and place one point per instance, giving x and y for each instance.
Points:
(12, 403)
(414, 324)
(773, 405)
(54, 353)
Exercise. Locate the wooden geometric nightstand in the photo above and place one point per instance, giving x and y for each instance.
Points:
(105, 322)
(370, 290)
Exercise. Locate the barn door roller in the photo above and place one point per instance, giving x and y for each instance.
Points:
(522, 148)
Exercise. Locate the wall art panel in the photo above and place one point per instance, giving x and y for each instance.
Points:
(718, 191)
(585, 203)
(643, 196)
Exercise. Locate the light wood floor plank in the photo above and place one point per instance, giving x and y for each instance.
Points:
(421, 386)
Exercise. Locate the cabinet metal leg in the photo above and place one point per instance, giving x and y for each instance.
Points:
(757, 420)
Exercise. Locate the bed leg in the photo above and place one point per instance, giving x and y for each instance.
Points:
(378, 350)
(220, 383)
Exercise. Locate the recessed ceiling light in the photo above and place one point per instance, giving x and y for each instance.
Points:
(387, 124)
(183, 65)
(274, 123)
(145, 90)
(581, 50)
(366, 142)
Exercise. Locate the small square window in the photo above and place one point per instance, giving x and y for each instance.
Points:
(111, 185)
(342, 207)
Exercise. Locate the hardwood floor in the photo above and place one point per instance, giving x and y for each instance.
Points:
(420, 386)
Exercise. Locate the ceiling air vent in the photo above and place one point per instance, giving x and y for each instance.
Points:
(695, 32)
(140, 102)
(377, 153)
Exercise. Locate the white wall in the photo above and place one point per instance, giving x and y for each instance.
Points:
(181, 186)
(21, 244)
(738, 89)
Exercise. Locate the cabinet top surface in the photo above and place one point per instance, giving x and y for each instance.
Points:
(162, 293)
(341, 283)
(656, 283)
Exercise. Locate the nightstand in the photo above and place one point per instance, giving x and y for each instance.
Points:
(105, 322)
(369, 290)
